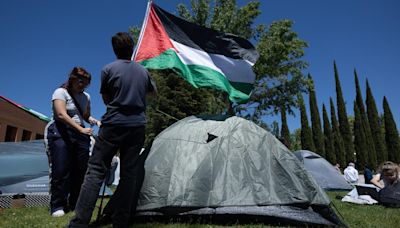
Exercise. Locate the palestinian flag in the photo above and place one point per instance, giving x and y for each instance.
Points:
(204, 57)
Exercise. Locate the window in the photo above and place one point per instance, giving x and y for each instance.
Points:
(11, 134)
(26, 135)
(39, 136)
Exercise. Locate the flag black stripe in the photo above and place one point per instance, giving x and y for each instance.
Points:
(206, 39)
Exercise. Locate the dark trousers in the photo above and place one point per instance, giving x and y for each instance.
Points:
(129, 141)
(68, 153)
(109, 210)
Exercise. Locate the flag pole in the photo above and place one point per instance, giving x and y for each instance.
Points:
(142, 29)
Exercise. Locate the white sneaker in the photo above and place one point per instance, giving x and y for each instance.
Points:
(58, 213)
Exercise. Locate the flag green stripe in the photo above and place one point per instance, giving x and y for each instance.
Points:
(199, 76)
(241, 86)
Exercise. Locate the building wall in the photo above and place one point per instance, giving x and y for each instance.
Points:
(18, 125)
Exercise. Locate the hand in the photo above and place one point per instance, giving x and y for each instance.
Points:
(86, 131)
(98, 123)
(93, 121)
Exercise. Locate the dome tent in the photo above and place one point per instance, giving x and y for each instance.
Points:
(22, 161)
(230, 168)
(326, 176)
(24, 170)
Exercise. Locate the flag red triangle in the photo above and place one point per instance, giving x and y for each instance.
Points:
(155, 39)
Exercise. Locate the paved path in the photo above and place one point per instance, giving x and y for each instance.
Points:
(361, 179)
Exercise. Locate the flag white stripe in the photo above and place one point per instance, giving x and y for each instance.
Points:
(235, 70)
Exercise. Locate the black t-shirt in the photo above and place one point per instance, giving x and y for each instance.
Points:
(126, 84)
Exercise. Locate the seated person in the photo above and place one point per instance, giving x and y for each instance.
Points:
(367, 175)
(351, 174)
(389, 174)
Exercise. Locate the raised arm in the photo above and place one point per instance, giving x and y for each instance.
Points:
(376, 180)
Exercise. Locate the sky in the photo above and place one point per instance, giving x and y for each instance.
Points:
(41, 41)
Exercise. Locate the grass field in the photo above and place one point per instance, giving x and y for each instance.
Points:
(353, 215)
(366, 215)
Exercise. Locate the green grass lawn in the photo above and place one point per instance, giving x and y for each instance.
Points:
(354, 215)
(365, 215)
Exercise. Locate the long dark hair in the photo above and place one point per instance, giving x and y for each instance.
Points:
(76, 73)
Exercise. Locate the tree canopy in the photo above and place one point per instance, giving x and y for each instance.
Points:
(279, 71)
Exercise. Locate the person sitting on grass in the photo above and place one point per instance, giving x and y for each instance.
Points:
(368, 175)
(351, 173)
(389, 174)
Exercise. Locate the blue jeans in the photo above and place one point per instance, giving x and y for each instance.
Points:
(129, 141)
(68, 153)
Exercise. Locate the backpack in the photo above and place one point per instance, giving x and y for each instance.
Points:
(389, 196)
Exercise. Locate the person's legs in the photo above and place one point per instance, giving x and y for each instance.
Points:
(124, 196)
(59, 159)
(140, 172)
(139, 176)
(100, 160)
(78, 167)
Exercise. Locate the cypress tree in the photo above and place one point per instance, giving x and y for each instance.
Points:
(391, 133)
(318, 137)
(296, 139)
(338, 143)
(376, 127)
(285, 129)
(344, 125)
(370, 146)
(275, 129)
(328, 137)
(306, 135)
(360, 139)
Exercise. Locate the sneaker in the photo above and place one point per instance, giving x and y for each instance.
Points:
(58, 213)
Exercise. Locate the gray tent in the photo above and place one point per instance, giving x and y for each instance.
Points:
(24, 172)
(24, 169)
(22, 161)
(323, 172)
(200, 166)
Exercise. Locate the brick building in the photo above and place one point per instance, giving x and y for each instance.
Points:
(19, 123)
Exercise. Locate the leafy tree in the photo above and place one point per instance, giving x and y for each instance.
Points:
(337, 137)
(306, 134)
(371, 154)
(279, 71)
(285, 134)
(176, 100)
(360, 139)
(344, 125)
(328, 138)
(376, 127)
(224, 16)
(318, 136)
(391, 133)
